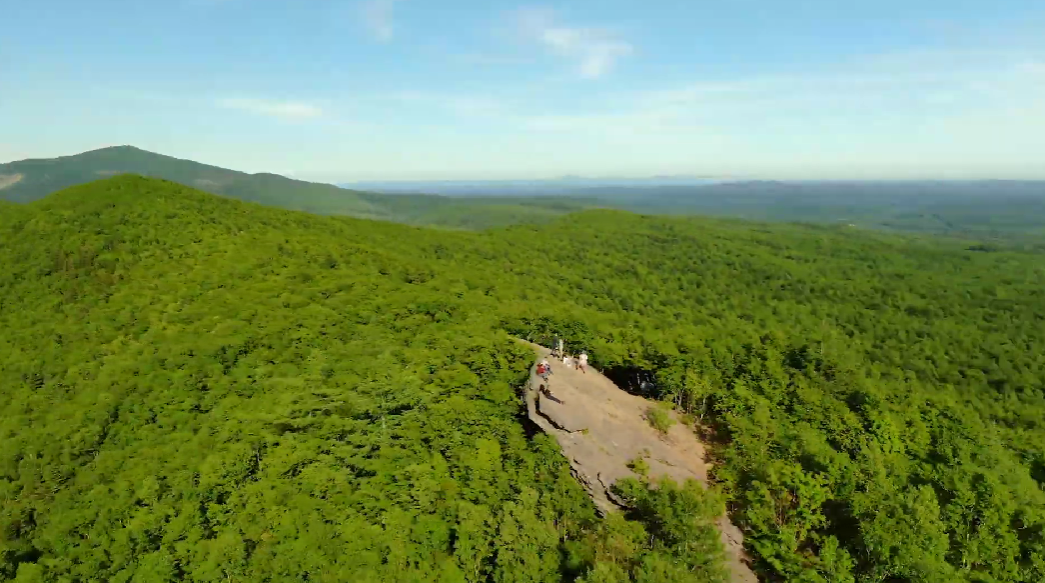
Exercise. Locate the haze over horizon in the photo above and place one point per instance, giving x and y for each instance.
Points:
(393, 90)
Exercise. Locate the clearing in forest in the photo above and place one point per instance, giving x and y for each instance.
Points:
(601, 428)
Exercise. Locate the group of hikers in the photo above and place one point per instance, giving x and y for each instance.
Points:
(544, 368)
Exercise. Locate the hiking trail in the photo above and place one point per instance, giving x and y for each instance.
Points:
(600, 428)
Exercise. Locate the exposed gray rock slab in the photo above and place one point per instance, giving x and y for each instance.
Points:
(601, 428)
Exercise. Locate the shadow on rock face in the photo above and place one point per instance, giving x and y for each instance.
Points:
(547, 393)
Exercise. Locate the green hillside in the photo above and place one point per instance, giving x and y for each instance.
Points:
(30, 180)
(40, 177)
(201, 389)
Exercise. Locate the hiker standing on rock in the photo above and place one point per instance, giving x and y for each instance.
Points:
(544, 369)
(559, 348)
(582, 362)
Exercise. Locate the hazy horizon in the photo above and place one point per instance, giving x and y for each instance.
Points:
(391, 90)
(664, 179)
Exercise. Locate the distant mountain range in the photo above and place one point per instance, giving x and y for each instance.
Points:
(989, 208)
(523, 187)
(984, 208)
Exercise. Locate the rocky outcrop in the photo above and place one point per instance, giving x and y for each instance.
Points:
(601, 428)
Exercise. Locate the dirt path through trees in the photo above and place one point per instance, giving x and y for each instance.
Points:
(601, 428)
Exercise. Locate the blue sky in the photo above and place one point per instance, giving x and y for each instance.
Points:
(338, 90)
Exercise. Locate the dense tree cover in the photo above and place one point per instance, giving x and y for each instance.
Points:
(880, 399)
(203, 389)
(199, 389)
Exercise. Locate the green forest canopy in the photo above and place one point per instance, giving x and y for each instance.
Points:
(197, 388)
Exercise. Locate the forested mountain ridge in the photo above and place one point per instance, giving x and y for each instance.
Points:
(29, 180)
(39, 177)
(197, 388)
(1005, 211)
(195, 397)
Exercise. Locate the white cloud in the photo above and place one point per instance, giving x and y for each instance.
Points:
(594, 50)
(461, 105)
(873, 99)
(875, 85)
(628, 122)
(283, 109)
(378, 18)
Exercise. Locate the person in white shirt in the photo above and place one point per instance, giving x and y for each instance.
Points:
(567, 360)
(582, 362)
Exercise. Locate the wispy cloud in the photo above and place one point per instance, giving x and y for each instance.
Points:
(378, 16)
(594, 50)
(874, 92)
(282, 109)
(627, 122)
(461, 105)
(922, 83)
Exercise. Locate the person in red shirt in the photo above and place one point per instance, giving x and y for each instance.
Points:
(544, 369)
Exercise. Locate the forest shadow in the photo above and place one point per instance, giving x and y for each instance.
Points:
(633, 380)
(529, 426)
